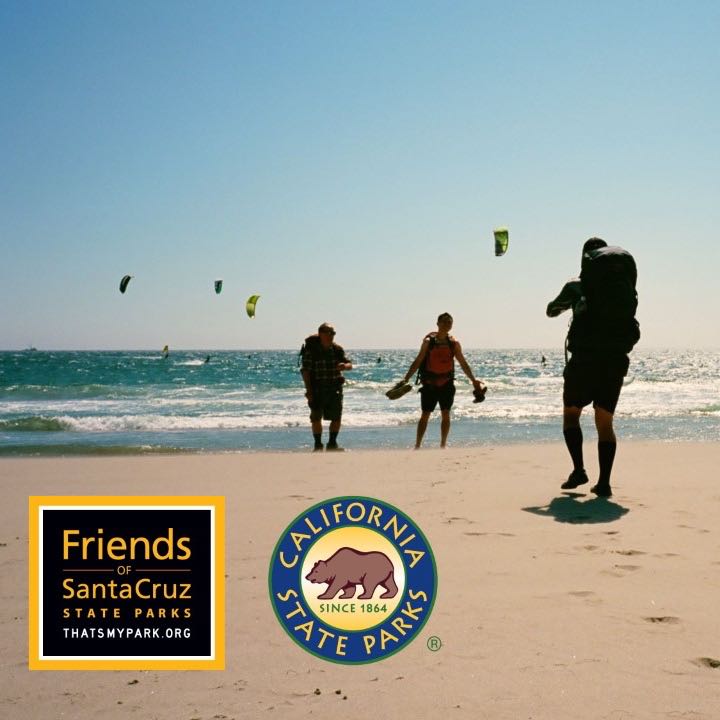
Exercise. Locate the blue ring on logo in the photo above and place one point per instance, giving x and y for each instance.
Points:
(351, 646)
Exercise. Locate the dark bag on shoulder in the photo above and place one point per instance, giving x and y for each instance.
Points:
(313, 344)
(607, 322)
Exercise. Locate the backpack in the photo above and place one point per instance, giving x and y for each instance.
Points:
(313, 344)
(606, 320)
(424, 373)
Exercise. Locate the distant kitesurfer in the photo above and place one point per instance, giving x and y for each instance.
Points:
(543, 361)
(602, 333)
(436, 362)
(207, 359)
(323, 364)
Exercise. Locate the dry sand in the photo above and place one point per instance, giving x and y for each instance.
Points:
(550, 605)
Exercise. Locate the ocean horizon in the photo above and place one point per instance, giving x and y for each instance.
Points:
(62, 402)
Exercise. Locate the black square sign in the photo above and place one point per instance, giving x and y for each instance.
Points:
(121, 583)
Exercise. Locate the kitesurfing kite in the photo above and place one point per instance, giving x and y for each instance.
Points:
(218, 286)
(250, 305)
(124, 283)
(502, 240)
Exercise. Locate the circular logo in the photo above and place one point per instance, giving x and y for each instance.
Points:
(353, 580)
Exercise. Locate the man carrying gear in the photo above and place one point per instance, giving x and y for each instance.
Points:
(602, 333)
(323, 362)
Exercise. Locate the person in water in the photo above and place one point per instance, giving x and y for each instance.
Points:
(436, 362)
(323, 364)
(599, 347)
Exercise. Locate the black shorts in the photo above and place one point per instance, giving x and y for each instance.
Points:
(431, 395)
(327, 403)
(594, 380)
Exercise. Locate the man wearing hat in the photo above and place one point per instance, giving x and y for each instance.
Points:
(323, 362)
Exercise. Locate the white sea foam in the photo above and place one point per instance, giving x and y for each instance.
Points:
(123, 393)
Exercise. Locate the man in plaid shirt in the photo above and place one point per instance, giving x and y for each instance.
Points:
(323, 362)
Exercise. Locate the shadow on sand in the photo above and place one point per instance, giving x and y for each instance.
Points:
(569, 509)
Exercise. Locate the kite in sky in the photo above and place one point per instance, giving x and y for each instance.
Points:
(502, 240)
(250, 305)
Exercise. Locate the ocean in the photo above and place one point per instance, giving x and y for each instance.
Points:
(128, 402)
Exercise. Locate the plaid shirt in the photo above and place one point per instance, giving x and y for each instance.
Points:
(322, 362)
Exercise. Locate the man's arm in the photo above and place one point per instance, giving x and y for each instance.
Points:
(466, 368)
(344, 363)
(569, 295)
(307, 379)
(417, 362)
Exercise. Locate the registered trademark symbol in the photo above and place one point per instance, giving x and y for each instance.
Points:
(434, 643)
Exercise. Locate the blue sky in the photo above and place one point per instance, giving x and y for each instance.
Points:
(348, 161)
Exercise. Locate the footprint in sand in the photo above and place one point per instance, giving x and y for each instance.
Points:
(629, 552)
(707, 662)
(603, 532)
(459, 519)
(588, 595)
(691, 527)
(620, 570)
(477, 534)
(663, 619)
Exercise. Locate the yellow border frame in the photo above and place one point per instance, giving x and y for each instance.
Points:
(102, 501)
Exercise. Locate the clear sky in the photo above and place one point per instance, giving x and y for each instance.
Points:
(348, 161)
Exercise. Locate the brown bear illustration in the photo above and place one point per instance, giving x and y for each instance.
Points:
(347, 568)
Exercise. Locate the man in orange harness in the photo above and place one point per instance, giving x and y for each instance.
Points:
(436, 362)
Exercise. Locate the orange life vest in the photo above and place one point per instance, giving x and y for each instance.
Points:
(439, 364)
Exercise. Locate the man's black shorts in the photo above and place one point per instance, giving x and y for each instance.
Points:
(327, 403)
(431, 395)
(594, 380)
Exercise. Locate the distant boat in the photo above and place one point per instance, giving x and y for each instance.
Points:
(32, 348)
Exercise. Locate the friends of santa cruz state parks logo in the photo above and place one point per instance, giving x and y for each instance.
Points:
(353, 580)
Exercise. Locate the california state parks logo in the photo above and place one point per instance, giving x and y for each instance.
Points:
(353, 580)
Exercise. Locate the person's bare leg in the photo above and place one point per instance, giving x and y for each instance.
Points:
(444, 427)
(421, 428)
(604, 425)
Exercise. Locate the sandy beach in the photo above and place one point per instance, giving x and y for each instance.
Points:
(550, 604)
